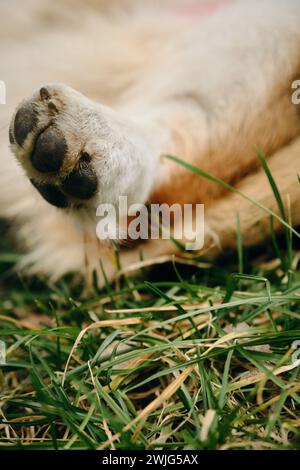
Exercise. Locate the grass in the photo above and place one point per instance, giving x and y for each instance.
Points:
(181, 357)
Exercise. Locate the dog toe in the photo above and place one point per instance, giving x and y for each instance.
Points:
(82, 182)
(50, 151)
(51, 194)
(25, 122)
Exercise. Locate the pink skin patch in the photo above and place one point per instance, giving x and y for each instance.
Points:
(200, 8)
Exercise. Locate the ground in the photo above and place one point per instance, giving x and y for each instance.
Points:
(177, 357)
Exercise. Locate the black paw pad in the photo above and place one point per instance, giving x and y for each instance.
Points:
(25, 121)
(51, 194)
(50, 150)
(82, 182)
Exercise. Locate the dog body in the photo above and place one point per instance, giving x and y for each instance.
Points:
(208, 89)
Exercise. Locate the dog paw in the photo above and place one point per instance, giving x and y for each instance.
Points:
(79, 154)
(47, 136)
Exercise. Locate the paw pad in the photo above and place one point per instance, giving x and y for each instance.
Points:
(25, 122)
(82, 182)
(51, 194)
(50, 150)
